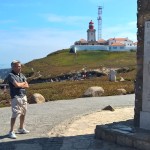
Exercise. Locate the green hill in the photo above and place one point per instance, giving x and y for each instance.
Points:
(62, 61)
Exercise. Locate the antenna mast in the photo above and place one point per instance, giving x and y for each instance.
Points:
(99, 18)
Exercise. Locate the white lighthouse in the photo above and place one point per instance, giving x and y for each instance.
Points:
(91, 37)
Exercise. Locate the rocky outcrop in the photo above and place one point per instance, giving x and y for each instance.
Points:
(4, 73)
(79, 75)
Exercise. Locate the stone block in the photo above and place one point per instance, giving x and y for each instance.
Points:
(141, 145)
(110, 136)
(145, 120)
(124, 140)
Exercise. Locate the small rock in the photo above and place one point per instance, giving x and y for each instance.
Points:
(109, 108)
(122, 79)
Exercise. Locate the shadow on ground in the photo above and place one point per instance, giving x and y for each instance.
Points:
(86, 142)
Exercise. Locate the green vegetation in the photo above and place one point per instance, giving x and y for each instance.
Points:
(62, 62)
(76, 89)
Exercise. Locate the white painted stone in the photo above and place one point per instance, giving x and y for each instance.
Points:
(146, 70)
(112, 75)
(145, 113)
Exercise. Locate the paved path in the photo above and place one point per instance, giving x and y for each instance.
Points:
(42, 118)
(80, 133)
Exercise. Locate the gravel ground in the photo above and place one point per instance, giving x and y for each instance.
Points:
(42, 118)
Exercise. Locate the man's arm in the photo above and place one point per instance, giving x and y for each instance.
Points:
(21, 85)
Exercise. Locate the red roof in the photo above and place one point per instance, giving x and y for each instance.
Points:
(101, 41)
(118, 39)
(83, 41)
(117, 44)
(121, 39)
(91, 22)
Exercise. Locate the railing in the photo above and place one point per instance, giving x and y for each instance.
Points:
(4, 86)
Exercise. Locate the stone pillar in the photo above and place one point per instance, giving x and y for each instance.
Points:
(145, 113)
(112, 75)
(143, 16)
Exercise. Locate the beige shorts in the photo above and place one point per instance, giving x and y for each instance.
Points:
(19, 106)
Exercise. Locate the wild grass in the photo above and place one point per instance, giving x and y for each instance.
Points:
(76, 89)
(63, 62)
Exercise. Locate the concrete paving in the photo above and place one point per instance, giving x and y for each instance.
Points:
(80, 134)
(50, 122)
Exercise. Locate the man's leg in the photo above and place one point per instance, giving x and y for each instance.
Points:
(22, 118)
(21, 128)
(11, 132)
(12, 123)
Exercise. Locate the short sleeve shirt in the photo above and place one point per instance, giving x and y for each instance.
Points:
(16, 91)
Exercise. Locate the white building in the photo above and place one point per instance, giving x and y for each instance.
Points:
(124, 41)
(112, 44)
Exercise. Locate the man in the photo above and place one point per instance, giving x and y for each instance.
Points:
(17, 83)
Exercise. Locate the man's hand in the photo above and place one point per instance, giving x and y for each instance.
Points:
(26, 85)
(21, 85)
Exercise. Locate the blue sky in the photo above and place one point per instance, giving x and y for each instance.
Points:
(31, 29)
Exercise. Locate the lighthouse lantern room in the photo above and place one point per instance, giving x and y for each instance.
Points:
(91, 32)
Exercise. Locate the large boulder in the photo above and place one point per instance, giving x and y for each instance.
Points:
(94, 92)
(121, 91)
(36, 98)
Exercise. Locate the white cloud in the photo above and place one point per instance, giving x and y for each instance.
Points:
(132, 24)
(54, 18)
(66, 19)
(26, 44)
(98, 2)
(7, 21)
(16, 3)
(123, 30)
(29, 44)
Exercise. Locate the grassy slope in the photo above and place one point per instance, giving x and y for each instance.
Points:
(64, 62)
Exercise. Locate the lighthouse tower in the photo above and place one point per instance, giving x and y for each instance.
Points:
(91, 32)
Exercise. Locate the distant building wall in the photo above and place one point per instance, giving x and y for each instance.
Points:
(89, 47)
(75, 48)
(122, 48)
(124, 41)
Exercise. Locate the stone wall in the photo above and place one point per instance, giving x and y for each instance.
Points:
(143, 14)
